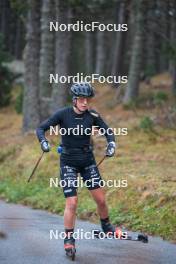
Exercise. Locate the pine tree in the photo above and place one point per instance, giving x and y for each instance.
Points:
(31, 116)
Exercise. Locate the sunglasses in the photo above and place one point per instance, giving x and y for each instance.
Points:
(82, 99)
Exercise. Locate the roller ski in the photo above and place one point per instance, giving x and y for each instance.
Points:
(121, 235)
(69, 246)
(109, 231)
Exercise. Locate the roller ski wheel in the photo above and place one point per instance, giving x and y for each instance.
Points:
(69, 246)
(143, 238)
(70, 253)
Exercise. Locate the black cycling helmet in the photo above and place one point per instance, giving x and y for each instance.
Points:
(82, 89)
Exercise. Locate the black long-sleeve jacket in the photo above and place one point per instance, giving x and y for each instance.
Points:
(68, 119)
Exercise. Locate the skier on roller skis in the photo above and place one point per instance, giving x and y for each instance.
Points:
(77, 157)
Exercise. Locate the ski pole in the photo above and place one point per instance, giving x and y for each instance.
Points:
(38, 161)
(101, 161)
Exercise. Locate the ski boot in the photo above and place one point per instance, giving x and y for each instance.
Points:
(69, 246)
(109, 229)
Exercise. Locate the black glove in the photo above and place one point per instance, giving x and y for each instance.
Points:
(45, 146)
(110, 151)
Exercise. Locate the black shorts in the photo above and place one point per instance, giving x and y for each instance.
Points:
(69, 179)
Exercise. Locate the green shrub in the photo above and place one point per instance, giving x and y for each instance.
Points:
(160, 97)
(146, 124)
(148, 100)
(131, 105)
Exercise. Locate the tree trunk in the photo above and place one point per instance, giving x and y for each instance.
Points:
(136, 59)
(18, 39)
(174, 80)
(100, 52)
(117, 52)
(151, 39)
(89, 52)
(129, 36)
(62, 52)
(162, 7)
(172, 63)
(46, 57)
(5, 21)
(31, 117)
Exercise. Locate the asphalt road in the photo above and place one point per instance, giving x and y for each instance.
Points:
(28, 241)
